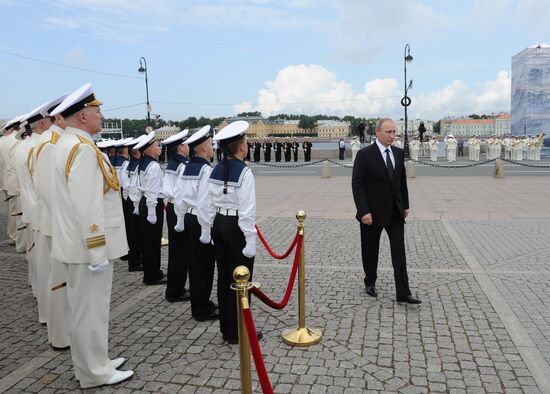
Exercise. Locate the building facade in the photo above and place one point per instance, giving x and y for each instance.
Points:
(531, 91)
(261, 127)
(466, 127)
(166, 131)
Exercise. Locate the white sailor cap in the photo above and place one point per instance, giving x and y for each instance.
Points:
(35, 114)
(145, 141)
(104, 144)
(232, 132)
(81, 98)
(450, 136)
(13, 122)
(176, 139)
(199, 137)
(134, 141)
(122, 142)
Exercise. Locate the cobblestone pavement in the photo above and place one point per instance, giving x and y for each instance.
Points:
(456, 341)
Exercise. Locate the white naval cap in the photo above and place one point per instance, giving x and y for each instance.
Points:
(13, 122)
(145, 141)
(199, 137)
(232, 132)
(134, 141)
(176, 139)
(79, 99)
(122, 142)
(104, 144)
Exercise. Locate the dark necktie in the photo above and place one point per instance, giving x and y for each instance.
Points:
(389, 164)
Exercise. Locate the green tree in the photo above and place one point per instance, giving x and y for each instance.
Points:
(254, 113)
(437, 127)
(307, 123)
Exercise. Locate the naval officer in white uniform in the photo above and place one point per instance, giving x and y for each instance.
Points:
(87, 232)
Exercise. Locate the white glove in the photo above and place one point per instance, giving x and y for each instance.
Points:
(205, 236)
(152, 218)
(136, 208)
(180, 225)
(101, 267)
(249, 250)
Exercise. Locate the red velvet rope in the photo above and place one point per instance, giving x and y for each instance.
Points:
(271, 252)
(280, 305)
(256, 352)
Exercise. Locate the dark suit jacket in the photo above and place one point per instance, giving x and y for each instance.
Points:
(373, 190)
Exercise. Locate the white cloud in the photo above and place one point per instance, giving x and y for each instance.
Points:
(312, 89)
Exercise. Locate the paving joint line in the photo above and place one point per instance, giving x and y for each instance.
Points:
(533, 358)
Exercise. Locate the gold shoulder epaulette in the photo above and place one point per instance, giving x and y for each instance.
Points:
(110, 177)
(53, 140)
(70, 160)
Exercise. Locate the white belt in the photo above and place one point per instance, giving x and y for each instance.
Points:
(192, 211)
(227, 211)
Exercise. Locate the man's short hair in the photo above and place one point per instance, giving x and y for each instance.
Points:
(381, 121)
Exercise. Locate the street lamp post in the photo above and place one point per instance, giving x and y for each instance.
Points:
(406, 100)
(143, 70)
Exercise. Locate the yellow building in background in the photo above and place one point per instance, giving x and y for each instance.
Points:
(261, 127)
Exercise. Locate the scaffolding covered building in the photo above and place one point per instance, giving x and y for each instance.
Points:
(531, 91)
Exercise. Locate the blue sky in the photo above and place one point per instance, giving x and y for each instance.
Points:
(216, 58)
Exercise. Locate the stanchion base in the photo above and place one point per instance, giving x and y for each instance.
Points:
(302, 336)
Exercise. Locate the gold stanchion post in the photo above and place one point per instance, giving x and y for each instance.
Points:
(301, 336)
(241, 275)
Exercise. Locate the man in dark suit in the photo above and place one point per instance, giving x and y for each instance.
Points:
(379, 185)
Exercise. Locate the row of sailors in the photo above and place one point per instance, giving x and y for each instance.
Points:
(515, 148)
(71, 215)
(287, 149)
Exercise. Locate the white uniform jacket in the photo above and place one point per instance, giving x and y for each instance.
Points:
(24, 167)
(192, 191)
(42, 175)
(87, 218)
(11, 182)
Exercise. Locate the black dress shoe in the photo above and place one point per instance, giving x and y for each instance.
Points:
(135, 268)
(214, 315)
(371, 290)
(409, 300)
(158, 282)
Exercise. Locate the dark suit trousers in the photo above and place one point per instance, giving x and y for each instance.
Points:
(176, 275)
(370, 245)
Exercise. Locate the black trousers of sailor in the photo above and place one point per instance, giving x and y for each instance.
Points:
(267, 155)
(151, 235)
(176, 275)
(201, 268)
(133, 234)
(370, 245)
(229, 241)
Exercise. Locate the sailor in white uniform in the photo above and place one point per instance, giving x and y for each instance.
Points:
(130, 200)
(87, 233)
(192, 205)
(151, 208)
(233, 210)
(176, 275)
